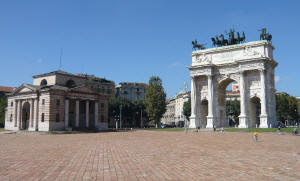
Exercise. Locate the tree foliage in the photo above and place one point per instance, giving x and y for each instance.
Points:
(187, 109)
(155, 100)
(131, 112)
(233, 110)
(3, 104)
(286, 108)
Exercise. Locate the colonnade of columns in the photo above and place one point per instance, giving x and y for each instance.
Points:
(77, 113)
(244, 101)
(33, 113)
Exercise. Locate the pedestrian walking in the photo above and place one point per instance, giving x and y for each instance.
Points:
(222, 130)
(255, 136)
(295, 132)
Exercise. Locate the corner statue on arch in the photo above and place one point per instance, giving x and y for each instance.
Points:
(252, 66)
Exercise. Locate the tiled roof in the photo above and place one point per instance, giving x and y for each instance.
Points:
(6, 89)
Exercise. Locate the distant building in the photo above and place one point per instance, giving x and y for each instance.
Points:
(174, 110)
(174, 106)
(101, 85)
(131, 91)
(57, 101)
(4, 90)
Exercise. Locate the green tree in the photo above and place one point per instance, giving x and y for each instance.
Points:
(3, 104)
(282, 107)
(233, 109)
(155, 100)
(187, 109)
(128, 111)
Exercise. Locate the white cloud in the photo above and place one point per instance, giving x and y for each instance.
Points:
(277, 78)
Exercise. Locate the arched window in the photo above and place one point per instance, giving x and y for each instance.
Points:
(70, 83)
(44, 82)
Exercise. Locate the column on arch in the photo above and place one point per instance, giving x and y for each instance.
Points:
(194, 120)
(243, 118)
(67, 113)
(211, 113)
(264, 115)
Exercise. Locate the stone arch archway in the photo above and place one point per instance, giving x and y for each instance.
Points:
(25, 116)
(222, 116)
(251, 65)
(203, 113)
(254, 112)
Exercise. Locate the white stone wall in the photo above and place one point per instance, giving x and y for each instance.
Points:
(10, 125)
(44, 108)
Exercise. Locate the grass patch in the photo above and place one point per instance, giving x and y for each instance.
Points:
(2, 129)
(260, 130)
(242, 130)
(165, 129)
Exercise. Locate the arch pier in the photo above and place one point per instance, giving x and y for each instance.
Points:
(252, 66)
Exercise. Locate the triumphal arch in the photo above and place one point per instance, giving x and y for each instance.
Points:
(252, 66)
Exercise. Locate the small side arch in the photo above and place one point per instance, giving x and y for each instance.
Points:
(71, 83)
(44, 82)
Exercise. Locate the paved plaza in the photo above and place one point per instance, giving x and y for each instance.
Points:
(149, 155)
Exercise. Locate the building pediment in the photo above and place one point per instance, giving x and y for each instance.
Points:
(24, 88)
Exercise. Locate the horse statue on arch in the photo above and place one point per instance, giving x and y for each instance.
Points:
(197, 46)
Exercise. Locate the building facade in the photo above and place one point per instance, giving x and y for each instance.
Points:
(131, 91)
(56, 101)
(174, 110)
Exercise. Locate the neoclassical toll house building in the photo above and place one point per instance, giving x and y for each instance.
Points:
(252, 66)
(56, 101)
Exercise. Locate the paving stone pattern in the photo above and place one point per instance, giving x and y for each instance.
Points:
(149, 155)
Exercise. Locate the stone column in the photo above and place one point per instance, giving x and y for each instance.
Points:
(87, 113)
(96, 113)
(66, 113)
(193, 103)
(210, 91)
(31, 113)
(263, 115)
(19, 114)
(77, 114)
(16, 113)
(243, 118)
(36, 115)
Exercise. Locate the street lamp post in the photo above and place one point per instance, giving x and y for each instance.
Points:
(141, 116)
(120, 116)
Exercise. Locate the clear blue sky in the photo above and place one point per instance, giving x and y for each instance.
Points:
(133, 40)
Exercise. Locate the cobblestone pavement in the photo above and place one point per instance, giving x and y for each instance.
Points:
(149, 155)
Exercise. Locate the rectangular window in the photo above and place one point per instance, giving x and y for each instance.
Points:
(43, 117)
(43, 101)
(11, 104)
(57, 102)
(11, 116)
(102, 105)
(57, 117)
(102, 118)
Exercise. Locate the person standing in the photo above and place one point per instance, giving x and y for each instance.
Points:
(255, 136)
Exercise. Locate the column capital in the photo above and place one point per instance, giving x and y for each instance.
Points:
(262, 70)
